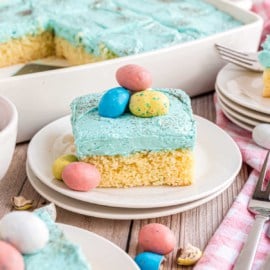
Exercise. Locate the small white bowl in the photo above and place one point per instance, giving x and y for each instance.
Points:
(8, 133)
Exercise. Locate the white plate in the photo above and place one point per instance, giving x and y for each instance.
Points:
(243, 110)
(237, 115)
(213, 169)
(100, 252)
(100, 211)
(238, 122)
(243, 87)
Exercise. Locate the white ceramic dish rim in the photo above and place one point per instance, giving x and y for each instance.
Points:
(40, 159)
(115, 213)
(110, 256)
(13, 116)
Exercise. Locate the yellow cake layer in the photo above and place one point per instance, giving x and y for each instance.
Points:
(27, 48)
(78, 55)
(266, 83)
(172, 168)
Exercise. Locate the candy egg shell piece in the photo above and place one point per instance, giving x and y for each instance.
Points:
(149, 261)
(157, 238)
(25, 231)
(10, 257)
(134, 77)
(188, 255)
(261, 135)
(114, 102)
(149, 103)
(81, 176)
(60, 163)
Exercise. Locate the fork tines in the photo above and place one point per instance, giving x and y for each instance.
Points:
(259, 193)
(247, 60)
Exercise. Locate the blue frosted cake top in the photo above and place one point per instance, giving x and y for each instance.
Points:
(127, 134)
(59, 253)
(124, 27)
(264, 55)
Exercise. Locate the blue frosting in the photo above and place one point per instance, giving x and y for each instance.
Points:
(59, 253)
(124, 27)
(264, 55)
(127, 134)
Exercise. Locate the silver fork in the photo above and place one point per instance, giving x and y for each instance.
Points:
(259, 205)
(243, 59)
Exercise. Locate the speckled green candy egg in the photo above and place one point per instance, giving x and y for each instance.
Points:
(149, 103)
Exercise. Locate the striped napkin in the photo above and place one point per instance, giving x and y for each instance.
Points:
(225, 245)
(262, 7)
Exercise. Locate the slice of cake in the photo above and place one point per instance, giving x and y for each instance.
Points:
(32, 240)
(133, 151)
(59, 253)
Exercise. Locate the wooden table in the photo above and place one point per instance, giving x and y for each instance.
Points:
(195, 226)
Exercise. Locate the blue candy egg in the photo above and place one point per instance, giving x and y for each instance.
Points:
(114, 102)
(149, 260)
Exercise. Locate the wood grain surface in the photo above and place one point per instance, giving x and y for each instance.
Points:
(195, 226)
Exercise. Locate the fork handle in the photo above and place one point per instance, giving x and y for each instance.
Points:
(246, 257)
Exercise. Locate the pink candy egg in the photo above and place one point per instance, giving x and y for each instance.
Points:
(134, 77)
(81, 176)
(10, 258)
(157, 238)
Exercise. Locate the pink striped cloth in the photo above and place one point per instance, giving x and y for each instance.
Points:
(262, 7)
(225, 245)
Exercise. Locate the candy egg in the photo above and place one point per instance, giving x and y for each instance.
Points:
(134, 77)
(25, 231)
(261, 135)
(60, 163)
(81, 176)
(149, 261)
(157, 238)
(10, 257)
(114, 102)
(188, 255)
(149, 103)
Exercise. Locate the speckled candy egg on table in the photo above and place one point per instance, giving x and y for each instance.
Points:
(10, 257)
(25, 231)
(149, 103)
(81, 176)
(114, 102)
(134, 77)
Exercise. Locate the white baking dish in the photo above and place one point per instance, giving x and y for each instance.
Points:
(193, 66)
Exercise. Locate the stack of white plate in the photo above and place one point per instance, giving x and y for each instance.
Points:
(239, 93)
(214, 172)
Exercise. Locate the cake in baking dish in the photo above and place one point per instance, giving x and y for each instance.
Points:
(86, 31)
(137, 151)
